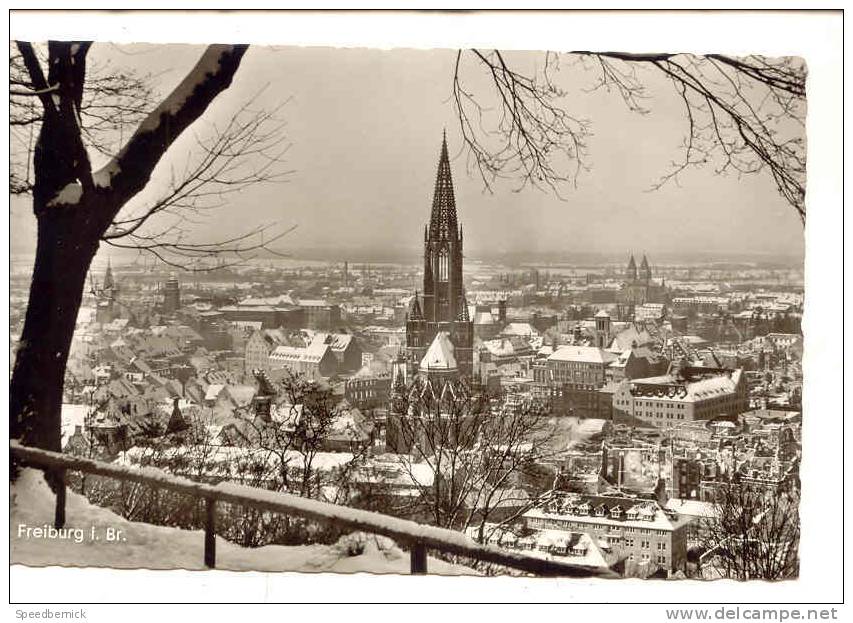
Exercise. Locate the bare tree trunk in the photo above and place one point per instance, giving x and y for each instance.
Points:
(74, 213)
(59, 277)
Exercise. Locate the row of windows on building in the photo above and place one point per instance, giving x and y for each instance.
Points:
(644, 557)
(578, 365)
(660, 416)
(582, 525)
(615, 512)
(661, 545)
(570, 387)
(662, 405)
(363, 394)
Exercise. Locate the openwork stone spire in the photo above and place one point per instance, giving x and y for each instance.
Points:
(442, 224)
(443, 307)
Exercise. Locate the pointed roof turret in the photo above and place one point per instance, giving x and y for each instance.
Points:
(177, 423)
(398, 376)
(415, 312)
(442, 224)
(464, 315)
(631, 272)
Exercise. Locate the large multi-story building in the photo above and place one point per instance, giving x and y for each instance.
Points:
(256, 355)
(320, 314)
(269, 316)
(442, 305)
(313, 361)
(262, 350)
(572, 376)
(640, 531)
(368, 389)
(692, 393)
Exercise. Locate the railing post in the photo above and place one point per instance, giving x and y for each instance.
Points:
(210, 533)
(419, 558)
(59, 483)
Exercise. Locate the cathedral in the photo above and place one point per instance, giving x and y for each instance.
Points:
(639, 288)
(440, 312)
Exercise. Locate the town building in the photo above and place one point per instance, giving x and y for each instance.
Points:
(256, 353)
(637, 363)
(489, 320)
(320, 314)
(368, 388)
(572, 376)
(269, 316)
(510, 357)
(649, 311)
(642, 532)
(261, 345)
(691, 393)
(314, 361)
(344, 346)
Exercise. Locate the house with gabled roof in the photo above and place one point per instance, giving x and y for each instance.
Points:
(691, 393)
(647, 536)
(314, 361)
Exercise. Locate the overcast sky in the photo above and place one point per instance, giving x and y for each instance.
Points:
(365, 128)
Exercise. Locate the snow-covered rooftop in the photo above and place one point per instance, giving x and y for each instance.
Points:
(439, 355)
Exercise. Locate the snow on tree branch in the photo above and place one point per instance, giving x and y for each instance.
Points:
(130, 171)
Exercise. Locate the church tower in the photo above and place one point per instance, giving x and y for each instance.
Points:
(631, 271)
(172, 295)
(645, 270)
(442, 307)
(639, 288)
(106, 295)
(109, 281)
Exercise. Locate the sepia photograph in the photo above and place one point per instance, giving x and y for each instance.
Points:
(472, 312)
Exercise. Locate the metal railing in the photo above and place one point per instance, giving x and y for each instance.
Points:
(419, 538)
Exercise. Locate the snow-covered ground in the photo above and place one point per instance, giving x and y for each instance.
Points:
(147, 546)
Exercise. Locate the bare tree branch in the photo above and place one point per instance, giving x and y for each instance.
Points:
(753, 532)
(528, 136)
(114, 99)
(744, 116)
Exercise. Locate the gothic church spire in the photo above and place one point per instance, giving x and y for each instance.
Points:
(442, 224)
